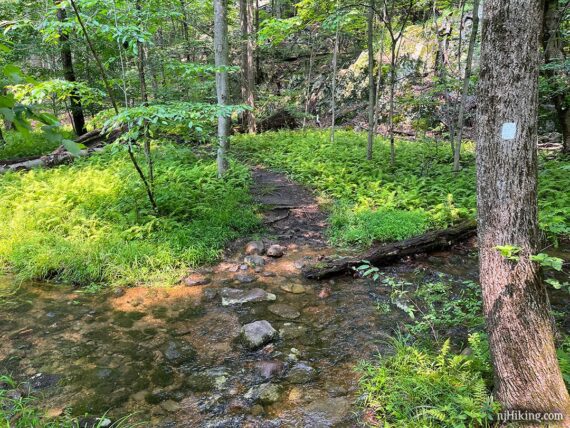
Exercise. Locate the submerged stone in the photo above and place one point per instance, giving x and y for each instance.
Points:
(284, 311)
(294, 288)
(301, 373)
(258, 333)
(254, 260)
(178, 353)
(234, 296)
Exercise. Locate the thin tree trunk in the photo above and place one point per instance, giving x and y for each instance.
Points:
(392, 90)
(309, 79)
(371, 87)
(379, 81)
(221, 59)
(515, 301)
(185, 29)
(247, 24)
(141, 59)
(333, 89)
(553, 52)
(78, 118)
(465, 91)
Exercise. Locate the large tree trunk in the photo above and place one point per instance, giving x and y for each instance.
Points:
(371, 87)
(221, 59)
(554, 53)
(248, 34)
(69, 74)
(515, 302)
(465, 90)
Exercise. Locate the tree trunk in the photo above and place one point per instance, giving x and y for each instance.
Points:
(333, 89)
(141, 59)
(466, 78)
(554, 52)
(185, 29)
(515, 301)
(371, 87)
(77, 115)
(221, 60)
(392, 90)
(247, 24)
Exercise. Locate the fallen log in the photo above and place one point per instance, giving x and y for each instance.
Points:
(389, 253)
(91, 140)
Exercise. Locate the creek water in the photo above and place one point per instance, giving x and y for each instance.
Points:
(174, 357)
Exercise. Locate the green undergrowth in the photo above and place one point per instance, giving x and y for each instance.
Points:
(418, 388)
(90, 222)
(421, 182)
(18, 145)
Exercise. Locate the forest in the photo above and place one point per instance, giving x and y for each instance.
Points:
(284, 213)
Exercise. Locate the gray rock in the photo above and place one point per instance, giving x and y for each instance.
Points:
(266, 393)
(195, 280)
(245, 278)
(301, 373)
(257, 334)
(235, 296)
(254, 247)
(170, 406)
(276, 251)
(284, 311)
(254, 260)
(178, 353)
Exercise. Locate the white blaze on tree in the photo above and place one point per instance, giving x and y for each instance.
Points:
(515, 301)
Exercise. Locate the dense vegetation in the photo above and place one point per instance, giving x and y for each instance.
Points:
(89, 222)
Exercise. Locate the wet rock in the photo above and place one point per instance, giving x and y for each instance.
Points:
(254, 247)
(196, 280)
(162, 375)
(43, 380)
(234, 296)
(268, 274)
(210, 293)
(327, 412)
(199, 382)
(269, 369)
(243, 267)
(178, 353)
(275, 251)
(284, 311)
(301, 373)
(245, 278)
(325, 292)
(295, 394)
(257, 334)
(300, 264)
(266, 393)
(294, 288)
(254, 260)
(170, 406)
(292, 331)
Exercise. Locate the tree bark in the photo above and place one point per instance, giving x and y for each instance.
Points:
(465, 90)
(248, 34)
(141, 59)
(371, 86)
(221, 60)
(76, 108)
(515, 301)
(333, 89)
(389, 253)
(554, 52)
(186, 30)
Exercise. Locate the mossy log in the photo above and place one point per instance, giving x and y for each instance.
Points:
(381, 255)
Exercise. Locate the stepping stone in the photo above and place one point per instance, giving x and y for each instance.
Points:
(258, 333)
(235, 296)
(254, 260)
(284, 311)
(276, 251)
(254, 247)
(294, 288)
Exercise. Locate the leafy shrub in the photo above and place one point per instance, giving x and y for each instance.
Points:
(422, 178)
(414, 388)
(20, 145)
(91, 222)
